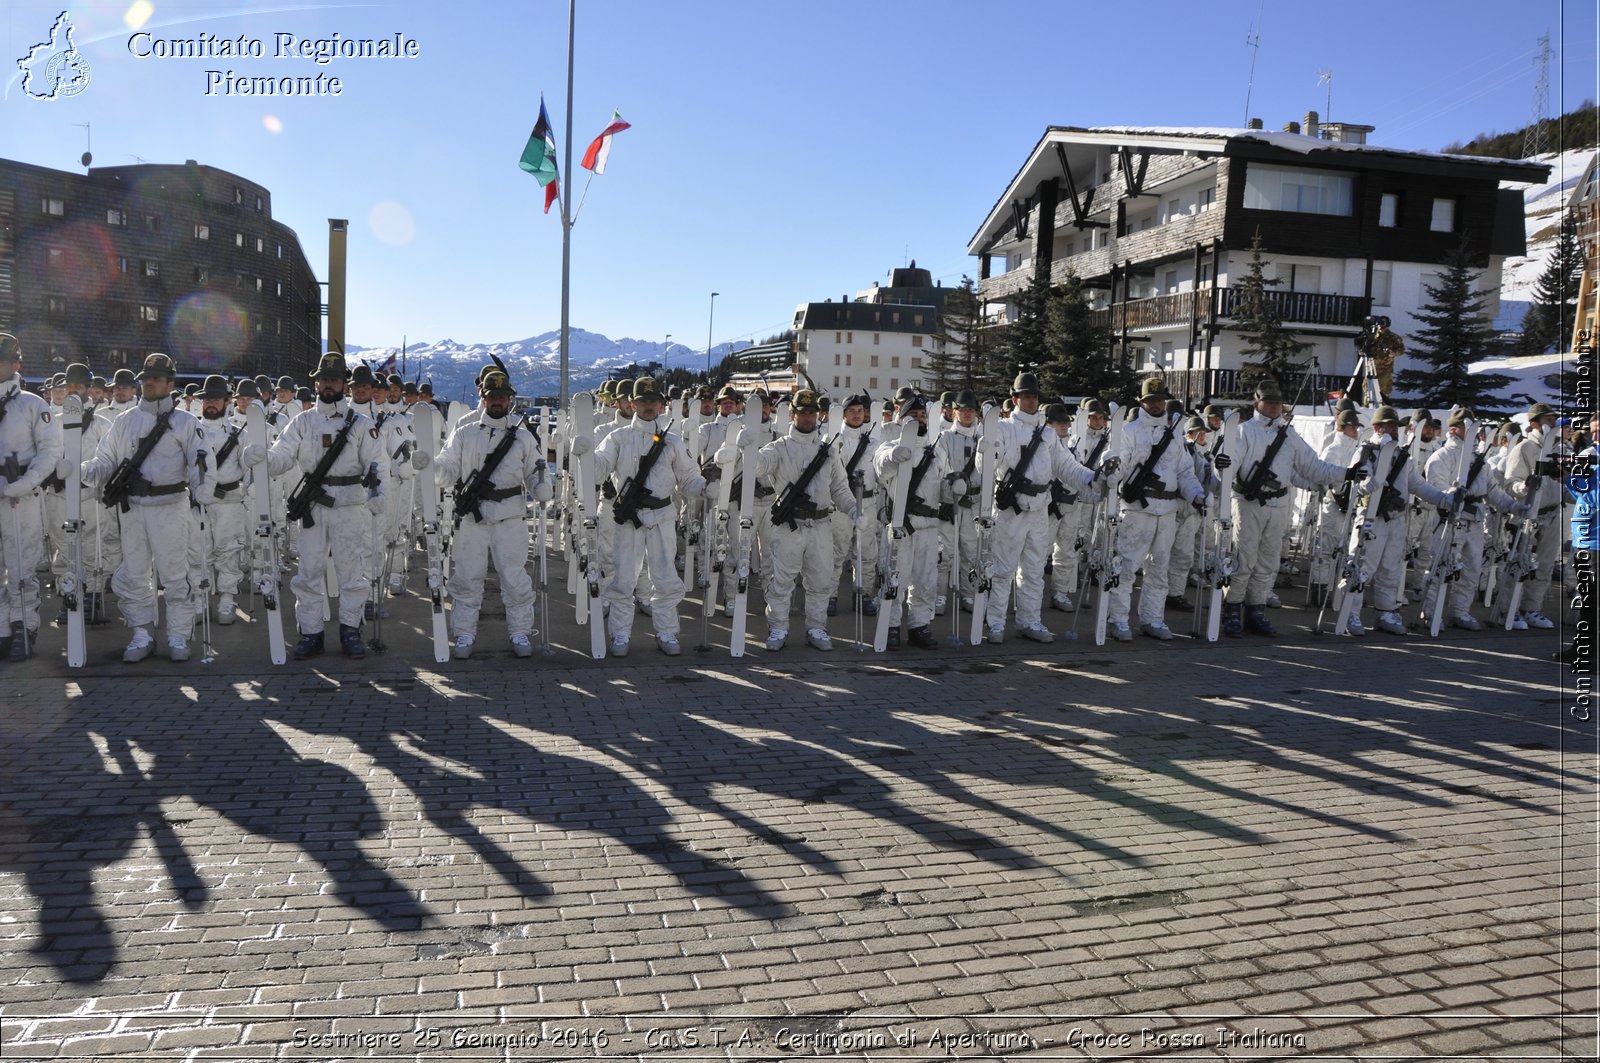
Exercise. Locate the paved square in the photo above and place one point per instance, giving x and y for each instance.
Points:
(1325, 848)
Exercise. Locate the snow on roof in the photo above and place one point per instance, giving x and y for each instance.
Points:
(1297, 142)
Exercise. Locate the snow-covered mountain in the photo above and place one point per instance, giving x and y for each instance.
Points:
(535, 363)
(1542, 208)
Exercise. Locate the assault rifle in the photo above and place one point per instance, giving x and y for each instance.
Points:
(1010, 486)
(126, 476)
(309, 491)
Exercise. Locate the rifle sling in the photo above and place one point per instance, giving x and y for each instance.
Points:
(797, 490)
(1258, 475)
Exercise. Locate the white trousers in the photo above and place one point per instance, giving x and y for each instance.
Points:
(1143, 539)
(155, 545)
(506, 543)
(346, 531)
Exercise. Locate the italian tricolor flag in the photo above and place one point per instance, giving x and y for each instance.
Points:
(595, 158)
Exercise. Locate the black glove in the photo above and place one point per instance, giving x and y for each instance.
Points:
(1353, 473)
(1222, 461)
(1199, 505)
(712, 472)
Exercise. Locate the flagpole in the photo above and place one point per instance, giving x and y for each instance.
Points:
(566, 216)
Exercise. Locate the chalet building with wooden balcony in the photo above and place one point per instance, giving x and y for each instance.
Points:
(1158, 223)
(105, 267)
(877, 341)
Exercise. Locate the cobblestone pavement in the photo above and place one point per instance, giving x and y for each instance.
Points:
(1333, 848)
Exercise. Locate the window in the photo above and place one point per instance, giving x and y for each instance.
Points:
(117, 356)
(1167, 352)
(838, 337)
(875, 337)
(836, 358)
(894, 318)
(122, 264)
(835, 381)
(872, 382)
(238, 239)
(873, 361)
(1174, 209)
(152, 268)
(1444, 216)
(202, 232)
(916, 363)
(148, 313)
(1389, 210)
(55, 257)
(849, 337)
(1172, 281)
(202, 274)
(55, 306)
(280, 289)
(152, 223)
(238, 195)
(1208, 198)
(117, 217)
(56, 208)
(1205, 273)
(916, 341)
(280, 250)
(894, 362)
(260, 284)
(916, 319)
(238, 280)
(1380, 286)
(117, 314)
(1296, 190)
(261, 245)
(1305, 278)
(258, 204)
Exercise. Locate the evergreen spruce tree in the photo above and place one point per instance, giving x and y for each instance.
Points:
(1020, 346)
(1456, 332)
(1078, 358)
(956, 359)
(1555, 297)
(1270, 350)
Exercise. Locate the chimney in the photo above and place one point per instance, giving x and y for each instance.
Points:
(1291, 127)
(1255, 123)
(1311, 124)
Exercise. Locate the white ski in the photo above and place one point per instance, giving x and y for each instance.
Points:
(71, 585)
(426, 419)
(1220, 566)
(1110, 572)
(894, 588)
(264, 550)
(1447, 561)
(590, 607)
(988, 466)
(750, 444)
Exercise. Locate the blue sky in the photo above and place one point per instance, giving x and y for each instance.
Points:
(780, 152)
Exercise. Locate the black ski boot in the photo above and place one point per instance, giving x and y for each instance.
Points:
(894, 639)
(1255, 619)
(350, 642)
(923, 638)
(310, 645)
(1233, 620)
(21, 642)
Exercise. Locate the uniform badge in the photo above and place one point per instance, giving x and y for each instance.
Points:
(327, 440)
(46, 416)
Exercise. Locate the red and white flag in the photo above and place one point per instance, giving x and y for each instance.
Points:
(595, 158)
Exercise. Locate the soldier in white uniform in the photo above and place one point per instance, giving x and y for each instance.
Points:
(910, 455)
(1270, 456)
(1543, 496)
(1333, 524)
(221, 503)
(802, 544)
(155, 517)
(1022, 526)
(341, 512)
(646, 535)
(1072, 531)
(959, 439)
(1386, 553)
(856, 442)
(1483, 485)
(498, 529)
(30, 451)
(1152, 493)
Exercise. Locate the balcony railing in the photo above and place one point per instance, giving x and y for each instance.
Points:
(1294, 308)
(1197, 386)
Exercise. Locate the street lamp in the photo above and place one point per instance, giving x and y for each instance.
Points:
(709, 322)
(666, 355)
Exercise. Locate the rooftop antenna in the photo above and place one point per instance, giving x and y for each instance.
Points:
(1536, 141)
(1325, 77)
(87, 158)
(1252, 40)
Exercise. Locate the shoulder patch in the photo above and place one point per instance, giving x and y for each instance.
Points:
(45, 416)
(373, 433)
